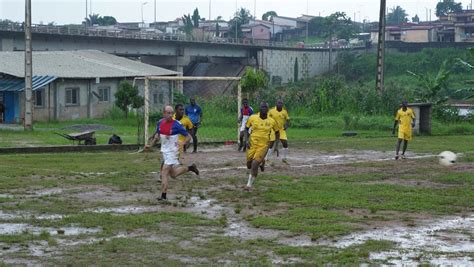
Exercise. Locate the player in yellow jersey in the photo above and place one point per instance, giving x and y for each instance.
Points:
(262, 125)
(280, 115)
(405, 117)
(184, 120)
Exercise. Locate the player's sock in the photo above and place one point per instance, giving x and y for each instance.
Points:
(250, 181)
(285, 153)
(269, 154)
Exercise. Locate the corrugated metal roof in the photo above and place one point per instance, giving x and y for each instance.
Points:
(79, 64)
(15, 84)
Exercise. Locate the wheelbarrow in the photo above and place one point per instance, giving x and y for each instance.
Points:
(84, 138)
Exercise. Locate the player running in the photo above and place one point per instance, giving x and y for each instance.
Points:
(262, 125)
(167, 130)
(406, 117)
(245, 112)
(280, 115)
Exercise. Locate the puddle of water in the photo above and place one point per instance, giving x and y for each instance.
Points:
(17, 228)
(414, 243)
(49, 192)
(26, 215)
(7, 196)
(406, 258)
(127, 209)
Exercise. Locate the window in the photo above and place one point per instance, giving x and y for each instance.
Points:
(72, 96)
(38, 96)
(155, 98)
(104, 94)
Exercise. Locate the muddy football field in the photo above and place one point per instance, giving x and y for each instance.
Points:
(339, 206)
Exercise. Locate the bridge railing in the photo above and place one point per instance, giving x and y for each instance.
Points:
(129, 34)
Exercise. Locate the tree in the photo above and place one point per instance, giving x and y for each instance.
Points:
(96, 19)
(446, 6)
(268, 16)
(431, 86)
(195, 18)
(253, 80)
(188, 24)
(127, 97)
(107, 20)
(338, 25)
(241, 17)
(397, 15)
(316, 26)
(93, 19)
(415, 19)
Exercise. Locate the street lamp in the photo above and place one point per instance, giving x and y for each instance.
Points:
(144, 3)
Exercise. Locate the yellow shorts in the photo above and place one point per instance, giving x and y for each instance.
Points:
(282, 135)
(257, 152)
(405, 135)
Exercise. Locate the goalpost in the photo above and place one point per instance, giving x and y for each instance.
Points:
(146, 92)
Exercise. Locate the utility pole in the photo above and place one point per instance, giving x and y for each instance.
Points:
(381, 48)
(28, 122)
(85, 21)
(210, 18)
(155, 15)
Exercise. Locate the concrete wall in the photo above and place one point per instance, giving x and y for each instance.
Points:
(280, 64)
(54, 98)
(416, 36)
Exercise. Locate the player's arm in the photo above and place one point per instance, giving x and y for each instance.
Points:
(397, 119)
(287, 122)
(394, 126)
(200, 116)
(247, 135)
(413, 122)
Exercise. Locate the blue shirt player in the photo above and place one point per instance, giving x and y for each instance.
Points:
(194, 112)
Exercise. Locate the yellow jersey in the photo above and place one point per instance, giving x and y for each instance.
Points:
(405, 119)
(261, 129)
(280, 117)
(187, 124)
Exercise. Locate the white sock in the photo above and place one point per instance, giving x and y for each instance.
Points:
(269, 153)
(285, 152)
(250, 181)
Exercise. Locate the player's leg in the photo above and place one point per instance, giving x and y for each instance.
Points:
(405, 145)
(284, 143)
(178, 170)
(257, 161)
(270, 150)
(164, 181)
(195, 140)
(399, 142)
(241, 140)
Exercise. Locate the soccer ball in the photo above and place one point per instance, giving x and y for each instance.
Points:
(447, 158)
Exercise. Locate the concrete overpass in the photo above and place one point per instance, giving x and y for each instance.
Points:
(283, 63)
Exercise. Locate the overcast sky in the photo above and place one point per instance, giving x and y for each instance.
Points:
(74, 11)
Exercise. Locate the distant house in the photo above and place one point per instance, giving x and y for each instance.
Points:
(463, 25)
(410, 33)
(73, 84)
(257, 31)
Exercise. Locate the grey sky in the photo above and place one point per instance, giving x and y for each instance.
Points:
(73, 11)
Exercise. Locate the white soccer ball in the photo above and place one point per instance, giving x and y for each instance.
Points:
(447, 158)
